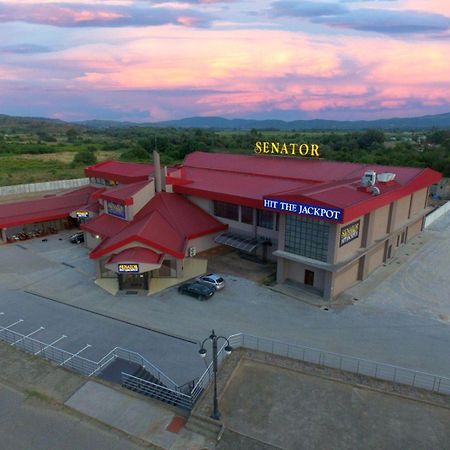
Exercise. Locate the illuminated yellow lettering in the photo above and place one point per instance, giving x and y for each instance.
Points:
(314, 150)
(275, 147)
(293, 146)
(284, 149)
(266, 147)
(303, 149)
(258, 148)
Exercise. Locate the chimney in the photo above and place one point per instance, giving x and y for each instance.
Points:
(157, 166)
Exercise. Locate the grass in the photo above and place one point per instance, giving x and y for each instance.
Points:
(23, 169)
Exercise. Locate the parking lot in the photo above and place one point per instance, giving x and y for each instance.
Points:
(400, 321)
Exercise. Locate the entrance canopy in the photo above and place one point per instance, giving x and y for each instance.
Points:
(135, 260)
(239, 241)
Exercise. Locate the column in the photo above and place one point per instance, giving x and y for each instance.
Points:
(4, 234)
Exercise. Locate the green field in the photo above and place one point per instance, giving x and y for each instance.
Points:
(33, 150)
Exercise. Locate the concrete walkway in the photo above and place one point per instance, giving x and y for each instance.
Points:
(68, 403)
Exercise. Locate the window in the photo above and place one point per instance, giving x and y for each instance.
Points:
(265, 219)
(307, 237)
(247, 215)
(226, 210)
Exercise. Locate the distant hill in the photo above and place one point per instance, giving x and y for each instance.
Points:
(220, 123)
(11, 124)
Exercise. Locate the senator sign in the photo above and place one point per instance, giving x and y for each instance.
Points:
(128, 268)
(82, 214)
(284, 148)
(349, 233)
(319, 212)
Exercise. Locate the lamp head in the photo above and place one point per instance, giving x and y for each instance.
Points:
(202, 352)
(228, 349)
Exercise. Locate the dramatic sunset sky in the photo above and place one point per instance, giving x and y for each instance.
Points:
(147, 60)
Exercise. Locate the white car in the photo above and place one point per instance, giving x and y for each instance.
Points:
(212, 279)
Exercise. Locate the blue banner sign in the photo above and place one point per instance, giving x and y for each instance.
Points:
(319, 212)
(116, 209)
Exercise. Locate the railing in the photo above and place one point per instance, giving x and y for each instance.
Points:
(147, 365)
(157, 391)
(47, 351)
(358, 366)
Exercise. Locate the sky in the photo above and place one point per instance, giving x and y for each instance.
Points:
(150, 60)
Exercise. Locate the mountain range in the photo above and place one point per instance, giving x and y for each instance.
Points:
(220, 123)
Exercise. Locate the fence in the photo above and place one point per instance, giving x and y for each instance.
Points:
(172, 393)
(42, 187)
(358, 366)
(157, 391)
(47, 351)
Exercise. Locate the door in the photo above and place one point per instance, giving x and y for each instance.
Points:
(309, 277)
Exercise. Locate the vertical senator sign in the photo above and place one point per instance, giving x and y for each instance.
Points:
(318, 212)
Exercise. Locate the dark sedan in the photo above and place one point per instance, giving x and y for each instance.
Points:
(198, 290)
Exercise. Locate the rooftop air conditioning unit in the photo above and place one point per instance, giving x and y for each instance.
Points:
(385, 177)
(375, 190)
(369, 178)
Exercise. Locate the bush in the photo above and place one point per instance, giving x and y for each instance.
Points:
(136, 154)
(85, 157)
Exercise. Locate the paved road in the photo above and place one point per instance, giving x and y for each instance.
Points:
(401, 322)
(32, 424)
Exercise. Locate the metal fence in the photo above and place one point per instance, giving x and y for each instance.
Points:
(358, 366)
(48, 351)
(163, 393)
(171, 392)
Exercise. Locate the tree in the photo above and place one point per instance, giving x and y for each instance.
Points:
(85, 157)
(370, 138)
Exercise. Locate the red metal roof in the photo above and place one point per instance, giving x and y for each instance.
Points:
(105, 225)
(138, 255)
(123, 194)
(44, 209)
(123, 172)
(166, 223)
(249, 179)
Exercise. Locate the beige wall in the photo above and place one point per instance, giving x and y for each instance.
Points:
(296, 272)
(348, 277)
(202, 243)
(141, 198)
(203, 203)
(418, 201)
(381, 218)
(351, 247)
(374, 259)
(414, 229)
(401, 214)
(90, 240)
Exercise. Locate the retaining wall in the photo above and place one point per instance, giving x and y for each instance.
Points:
(439, 212)
(42, 187)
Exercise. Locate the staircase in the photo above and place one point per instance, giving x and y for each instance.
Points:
(143, 382)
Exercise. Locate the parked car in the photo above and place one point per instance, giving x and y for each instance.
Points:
(77, 238)
(213, 280)
(196, 289)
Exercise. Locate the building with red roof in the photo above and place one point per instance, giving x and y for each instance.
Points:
(326, 224)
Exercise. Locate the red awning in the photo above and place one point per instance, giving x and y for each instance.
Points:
(137, 255)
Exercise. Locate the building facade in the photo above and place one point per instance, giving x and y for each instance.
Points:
(327, 224)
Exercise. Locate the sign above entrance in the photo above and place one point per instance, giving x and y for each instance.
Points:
(82, 214)
(128, 268)
(303, 209)
(284, 148)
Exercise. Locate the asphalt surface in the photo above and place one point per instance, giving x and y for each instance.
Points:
(401, 320)
(29, 423)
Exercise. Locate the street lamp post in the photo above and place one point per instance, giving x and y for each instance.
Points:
(228, 349)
